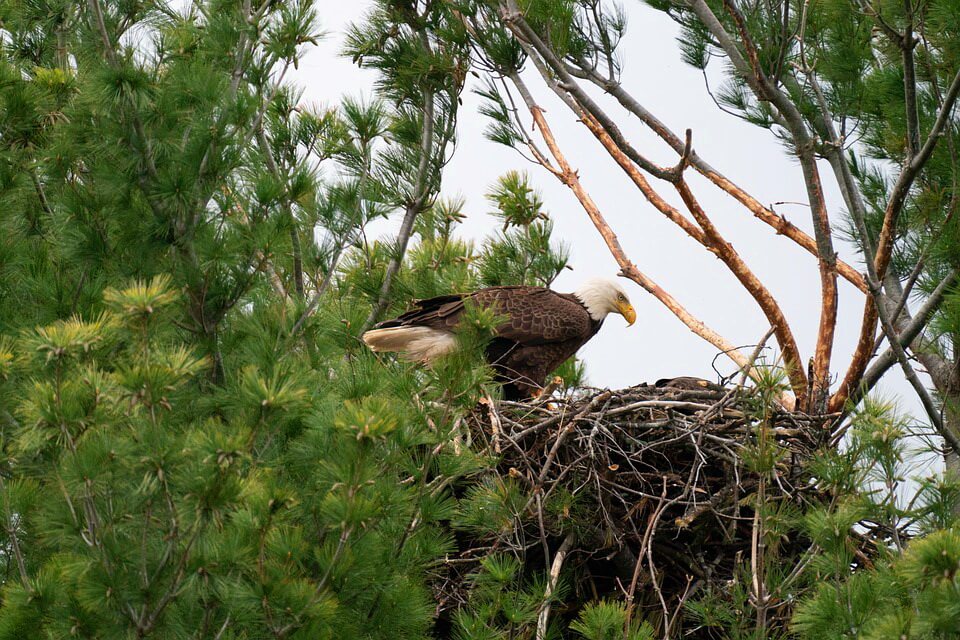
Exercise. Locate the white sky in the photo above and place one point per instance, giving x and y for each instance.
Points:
(658, 345)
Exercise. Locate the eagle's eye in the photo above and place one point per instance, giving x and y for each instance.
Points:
(620, 297)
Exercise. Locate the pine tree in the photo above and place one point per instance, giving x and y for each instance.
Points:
(191, 448)
(196, 445)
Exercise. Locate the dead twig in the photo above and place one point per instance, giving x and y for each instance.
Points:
(552, 578)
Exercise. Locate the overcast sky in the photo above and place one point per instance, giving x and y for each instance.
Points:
(658, 345)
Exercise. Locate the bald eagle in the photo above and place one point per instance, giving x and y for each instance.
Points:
(541, 330)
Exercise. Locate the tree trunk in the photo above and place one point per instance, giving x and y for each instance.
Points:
(951, 417)
(951, 458)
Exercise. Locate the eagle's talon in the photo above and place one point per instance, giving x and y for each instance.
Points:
(548, 390)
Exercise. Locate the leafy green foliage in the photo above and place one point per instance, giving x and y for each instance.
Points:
(915, 596)
(187, 452)
(517, 203)
(607, 621)
(195, 443)
(500, 605)
(264, 506)
(523, 251)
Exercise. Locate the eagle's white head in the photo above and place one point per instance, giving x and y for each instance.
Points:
(602, 296)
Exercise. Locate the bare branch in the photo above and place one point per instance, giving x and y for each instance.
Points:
(768, 304)
(542, 54)
(544, 616)
(764, 214)
(641, 183)
(570, 178)
(907, 335)
(898, 195)
(793, 120)
(684, 161)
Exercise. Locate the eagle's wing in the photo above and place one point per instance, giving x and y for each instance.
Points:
(532, 315)
(442, 312)
(536, 316)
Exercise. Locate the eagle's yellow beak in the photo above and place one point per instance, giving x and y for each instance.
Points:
(626, 310)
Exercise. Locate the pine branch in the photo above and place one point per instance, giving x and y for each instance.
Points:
(111, 55)
(322, 289)
(288, 211)
(901, 357)
(297, 260)
(223, 628)
(907, 335)
(148, 622)
(925, 350)
(907, 44)
(11, 524)
(411, 212)
(413, 208)
(892, 34)
(341, 246)
(908, 175)
(884, 252)
(42, 197)
(251, 19)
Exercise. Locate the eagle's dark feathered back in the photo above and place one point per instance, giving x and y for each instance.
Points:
(541, 329)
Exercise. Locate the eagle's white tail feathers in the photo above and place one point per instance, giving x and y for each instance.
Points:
(418, 344)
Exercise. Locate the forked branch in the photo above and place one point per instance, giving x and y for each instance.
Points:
(766, 215)
(628, 269)
(768, 304)
(610, 137)
(868, 328)
(562, 79)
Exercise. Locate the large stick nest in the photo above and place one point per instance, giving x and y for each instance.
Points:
(662, 490)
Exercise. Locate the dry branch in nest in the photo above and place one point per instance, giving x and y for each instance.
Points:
(654, 485)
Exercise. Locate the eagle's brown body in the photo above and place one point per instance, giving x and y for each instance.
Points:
(542, 328)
